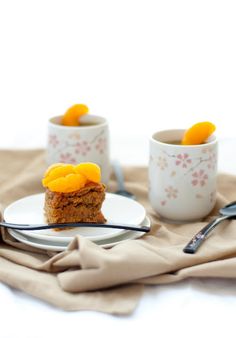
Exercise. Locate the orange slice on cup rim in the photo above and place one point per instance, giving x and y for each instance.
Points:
(198, 133)
(72, 115)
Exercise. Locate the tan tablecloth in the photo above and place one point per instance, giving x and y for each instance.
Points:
(88, 277)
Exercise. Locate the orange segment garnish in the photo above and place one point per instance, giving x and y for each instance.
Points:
(61, 177)
(51, 167)
(59, 170)
(90, 170)
(72, 115)
(71, 182)
(198, 133)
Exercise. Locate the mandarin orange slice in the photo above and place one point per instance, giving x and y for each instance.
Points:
(198, 133)
(51, 167)
(56, 172)
(72, 115)
(71, 182)
(62, 177)
(90, 170)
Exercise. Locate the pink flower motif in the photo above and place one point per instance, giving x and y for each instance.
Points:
(67, 158)
(212, 158)
(162, 163)
(212, 161)
(199, 178)
(199, 196)
(82, 148)
(213, 196)
(171, 192)
(183, 160)
(53, 140)
(74, 136)
(101, 145)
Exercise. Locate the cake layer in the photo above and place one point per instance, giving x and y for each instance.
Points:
(83, 205)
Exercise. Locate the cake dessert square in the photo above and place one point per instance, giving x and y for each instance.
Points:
(83, 205)
(73, 194)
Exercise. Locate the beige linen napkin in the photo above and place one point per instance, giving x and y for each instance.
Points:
(89, 277)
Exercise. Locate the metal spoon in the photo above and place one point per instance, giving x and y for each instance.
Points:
(141, 228)
(227, 212)
(120, 181)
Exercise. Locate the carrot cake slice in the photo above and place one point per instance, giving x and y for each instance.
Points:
(74, 193)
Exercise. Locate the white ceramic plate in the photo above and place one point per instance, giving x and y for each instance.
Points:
(118, 209)
(57, 246)
(35, 242)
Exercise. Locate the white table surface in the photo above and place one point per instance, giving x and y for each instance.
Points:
(184, 309)
(146, 65)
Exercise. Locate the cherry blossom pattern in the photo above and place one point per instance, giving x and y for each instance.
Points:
(101, 145)
(151, 159)
(67, 158)
(171, 192)
(149, 185)
(74, 136)
(212, 158)
(199, 196)
(162, 163)
(212, 161)
(213, 196)
(82, 148)
(199, 178)
(183, 160)
(53, 140)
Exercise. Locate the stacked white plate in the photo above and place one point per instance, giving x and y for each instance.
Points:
(118, 209)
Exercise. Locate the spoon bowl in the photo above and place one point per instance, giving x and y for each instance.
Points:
(229, 209)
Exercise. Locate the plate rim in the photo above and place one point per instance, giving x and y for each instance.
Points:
(132, 235)
(25, 240)
(69, 238)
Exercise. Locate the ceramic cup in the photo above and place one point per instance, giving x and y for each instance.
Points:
(182, 179)
(86, 143)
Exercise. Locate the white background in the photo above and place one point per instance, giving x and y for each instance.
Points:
(144, 65)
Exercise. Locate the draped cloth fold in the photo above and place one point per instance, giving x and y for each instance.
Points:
(89, 277)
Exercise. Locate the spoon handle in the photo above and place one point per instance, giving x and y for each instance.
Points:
(141, 228)
(119, 175)
(198, 239)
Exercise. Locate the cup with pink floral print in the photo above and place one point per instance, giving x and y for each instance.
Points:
(182, 179)
(88, 142)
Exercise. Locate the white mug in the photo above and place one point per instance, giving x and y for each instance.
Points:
(182, 179)
(88, 142)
